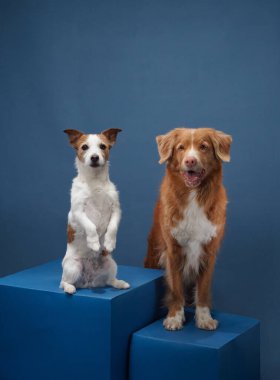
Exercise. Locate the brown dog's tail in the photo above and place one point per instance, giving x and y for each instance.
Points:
(153, 256)
(156, 245)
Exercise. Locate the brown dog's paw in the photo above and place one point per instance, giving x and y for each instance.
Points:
(203, 319)
(175, 322)
(210, 324)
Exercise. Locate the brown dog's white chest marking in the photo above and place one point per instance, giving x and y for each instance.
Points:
(192, 232)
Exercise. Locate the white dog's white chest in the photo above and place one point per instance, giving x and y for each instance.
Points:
(194, 230)
(98, 208)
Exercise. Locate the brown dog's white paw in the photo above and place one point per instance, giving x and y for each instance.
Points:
(203, 319)
(175, 322)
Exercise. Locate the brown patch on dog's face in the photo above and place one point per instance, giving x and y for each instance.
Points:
(81, 147)
(108, 139)
(195, 153)
(77, 140)
(105, 146)
(70, 233)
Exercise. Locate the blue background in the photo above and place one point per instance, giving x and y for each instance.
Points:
(145, 67)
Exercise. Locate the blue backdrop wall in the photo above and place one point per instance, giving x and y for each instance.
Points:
(146, 67)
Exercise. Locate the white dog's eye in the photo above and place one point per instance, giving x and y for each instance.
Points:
(85, 147)
(181, 147)
(102, 146)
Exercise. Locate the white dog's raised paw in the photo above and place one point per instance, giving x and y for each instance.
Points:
(110, 244)
(120, 284)
(93, 243)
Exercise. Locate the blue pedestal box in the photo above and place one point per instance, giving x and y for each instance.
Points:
(232, 352)
(46, 334)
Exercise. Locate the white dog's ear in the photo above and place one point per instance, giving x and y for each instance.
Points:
(221, 143)
(111, 134)
(73, 136)
(165, 145)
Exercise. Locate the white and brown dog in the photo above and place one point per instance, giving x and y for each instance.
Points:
(189, 219)
(94, 216)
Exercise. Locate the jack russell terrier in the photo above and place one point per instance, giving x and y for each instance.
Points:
(94, 216)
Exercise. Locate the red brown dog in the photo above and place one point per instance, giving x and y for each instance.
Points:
(189, 219)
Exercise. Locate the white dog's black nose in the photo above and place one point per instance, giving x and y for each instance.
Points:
(94, 158)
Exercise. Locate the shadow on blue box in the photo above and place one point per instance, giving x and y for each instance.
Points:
(46, 334)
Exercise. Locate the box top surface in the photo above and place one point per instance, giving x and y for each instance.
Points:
(230, 327)
(47, 278)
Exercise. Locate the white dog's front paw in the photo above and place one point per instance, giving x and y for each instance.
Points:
(93, 243)
(203, 319)
(120, 284)
(109, 244)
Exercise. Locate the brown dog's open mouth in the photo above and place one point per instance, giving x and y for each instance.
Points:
(193, 178)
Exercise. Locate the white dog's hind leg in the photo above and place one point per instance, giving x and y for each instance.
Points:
(72, 270)
(112, 273)
(119, 284)
(68, 288)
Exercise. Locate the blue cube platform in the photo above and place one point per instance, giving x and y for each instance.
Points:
(46, 334)
(232, 352)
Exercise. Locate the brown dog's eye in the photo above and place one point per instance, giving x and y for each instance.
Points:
(102, 146)
(181, 147)
(203, 147)
(85, 147)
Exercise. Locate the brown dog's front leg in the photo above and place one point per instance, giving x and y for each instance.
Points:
(175, 294)
(203, 317)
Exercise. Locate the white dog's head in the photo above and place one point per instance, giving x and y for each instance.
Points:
(93, 149)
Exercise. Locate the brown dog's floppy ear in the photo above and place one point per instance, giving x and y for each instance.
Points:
(111, 134)
(221, 143)
(165, 146)
(73, 136)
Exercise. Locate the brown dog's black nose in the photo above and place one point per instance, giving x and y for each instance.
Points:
(94, 158)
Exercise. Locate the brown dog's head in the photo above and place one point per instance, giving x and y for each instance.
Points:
(93, 149)
(194, 153)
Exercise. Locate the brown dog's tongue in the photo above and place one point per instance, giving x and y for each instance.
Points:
(192, 178)
(191, 175)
